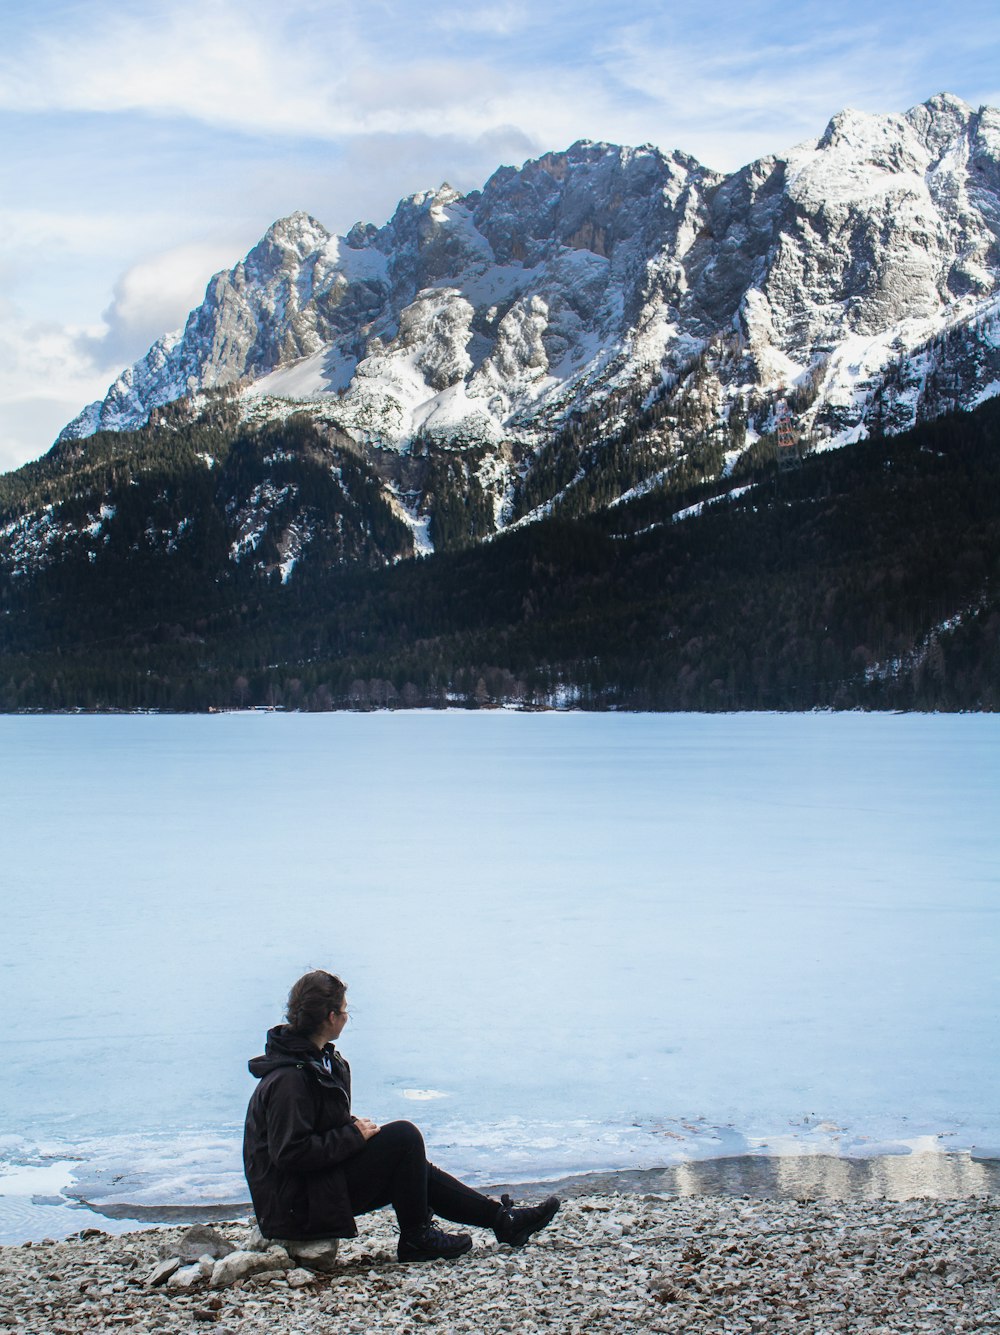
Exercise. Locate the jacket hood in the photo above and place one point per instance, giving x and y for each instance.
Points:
(285, 1047)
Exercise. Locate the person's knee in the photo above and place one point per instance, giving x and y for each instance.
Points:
(404, 1136)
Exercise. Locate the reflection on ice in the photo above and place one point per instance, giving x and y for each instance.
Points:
(940, 1175)
(932, 1174)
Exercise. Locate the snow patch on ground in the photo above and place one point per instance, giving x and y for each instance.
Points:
(699, 507)
(326, 372)
(989, 391)
(404, 507)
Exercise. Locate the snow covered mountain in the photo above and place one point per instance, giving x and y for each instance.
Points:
(626, 289)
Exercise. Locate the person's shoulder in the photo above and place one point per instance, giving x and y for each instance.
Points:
(288, 1074)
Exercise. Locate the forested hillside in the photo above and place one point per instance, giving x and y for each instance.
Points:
(863, 577)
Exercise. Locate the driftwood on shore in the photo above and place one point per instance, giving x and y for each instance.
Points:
(608, 1263)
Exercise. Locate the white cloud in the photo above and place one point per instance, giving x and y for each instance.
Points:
(154, 297)
(331, 72)
(70, 230)
(295, 72)
(216, 62)
(62, 266)
(36, 357)
(728, 104)
(29, 426)
(48, 371)
(45, 380)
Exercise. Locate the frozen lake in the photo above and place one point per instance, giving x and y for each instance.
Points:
(572, 941)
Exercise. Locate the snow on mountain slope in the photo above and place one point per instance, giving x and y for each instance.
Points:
(513, 294)
(861, 270)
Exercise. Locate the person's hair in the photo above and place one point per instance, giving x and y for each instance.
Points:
(312, 999)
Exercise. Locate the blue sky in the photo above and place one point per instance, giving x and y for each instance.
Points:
(146, 145)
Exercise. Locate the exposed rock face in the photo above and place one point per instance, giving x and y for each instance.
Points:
(879, 227)
(489, 317)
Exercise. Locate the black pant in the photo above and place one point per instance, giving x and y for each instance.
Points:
(392, 1169)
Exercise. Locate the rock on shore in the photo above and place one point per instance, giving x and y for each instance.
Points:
(607, 1263)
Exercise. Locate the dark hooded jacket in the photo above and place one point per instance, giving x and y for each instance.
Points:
(298, 1130)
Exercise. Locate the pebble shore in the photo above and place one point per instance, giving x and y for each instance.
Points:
(607, 1263)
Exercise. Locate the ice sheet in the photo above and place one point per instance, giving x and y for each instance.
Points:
(600, 941)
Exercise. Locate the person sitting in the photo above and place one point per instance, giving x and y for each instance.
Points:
(312, 1166)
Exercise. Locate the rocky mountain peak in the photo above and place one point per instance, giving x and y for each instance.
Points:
(285, 245)
(592, 196)
(493, 317)
(362, 234)
(298, 231)
(940, 121)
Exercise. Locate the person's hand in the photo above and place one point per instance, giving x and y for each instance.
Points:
(367, 1127)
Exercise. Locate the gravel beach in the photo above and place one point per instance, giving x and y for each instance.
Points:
(609, 1262)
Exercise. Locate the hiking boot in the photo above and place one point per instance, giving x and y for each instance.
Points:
(432, 1244)
(515, 1226)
